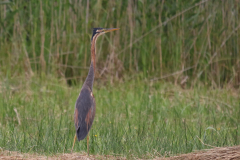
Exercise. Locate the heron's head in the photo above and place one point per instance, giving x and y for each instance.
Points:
(99, 31)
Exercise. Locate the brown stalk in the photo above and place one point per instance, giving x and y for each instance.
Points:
(130, 20)
(33, 39)
(56, 61)
(51, 36)
(74, 29)
(42, 60)
(87, 16)
(160, 39)
(20, 29)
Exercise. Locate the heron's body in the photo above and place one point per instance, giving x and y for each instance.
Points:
(85, 106)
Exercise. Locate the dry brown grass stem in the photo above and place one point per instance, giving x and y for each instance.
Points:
(205, 143)
(172, 74)
(18, 117)
(42, 60)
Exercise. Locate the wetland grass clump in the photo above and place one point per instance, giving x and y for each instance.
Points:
(132, 119)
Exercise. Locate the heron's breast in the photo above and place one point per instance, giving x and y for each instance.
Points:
(76, 117)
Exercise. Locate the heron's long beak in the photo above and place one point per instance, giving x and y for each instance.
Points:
(110, 29)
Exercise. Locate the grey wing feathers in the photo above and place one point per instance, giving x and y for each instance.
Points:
(84, 112)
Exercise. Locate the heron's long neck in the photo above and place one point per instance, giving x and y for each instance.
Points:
(90, 77)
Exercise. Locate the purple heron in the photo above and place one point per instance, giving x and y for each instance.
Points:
(85, 106)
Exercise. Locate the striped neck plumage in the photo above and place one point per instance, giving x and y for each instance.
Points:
(90, 77)
(93, 51)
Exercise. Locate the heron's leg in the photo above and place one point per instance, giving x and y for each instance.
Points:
(88, 144)
(74, 142)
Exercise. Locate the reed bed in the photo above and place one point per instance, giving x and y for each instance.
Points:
(181, 41)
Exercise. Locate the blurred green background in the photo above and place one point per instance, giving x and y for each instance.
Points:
(166, 83)
(174, 40)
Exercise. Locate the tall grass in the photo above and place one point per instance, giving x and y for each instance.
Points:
(140, 121)
(44, 44)
(198, 40)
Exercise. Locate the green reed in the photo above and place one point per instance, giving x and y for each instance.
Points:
(159, 39)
